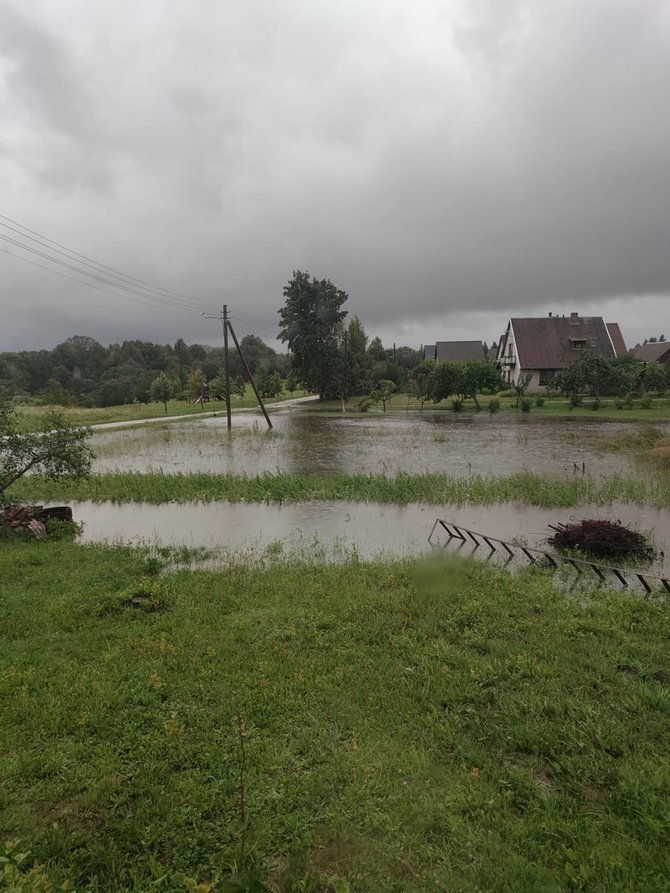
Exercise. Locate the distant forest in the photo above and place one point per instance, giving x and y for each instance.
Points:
(82, 371)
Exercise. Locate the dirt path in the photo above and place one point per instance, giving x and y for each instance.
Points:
(280, 404)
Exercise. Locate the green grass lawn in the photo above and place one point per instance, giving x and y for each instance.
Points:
(552, 407)
(31, 414)
(428, 727)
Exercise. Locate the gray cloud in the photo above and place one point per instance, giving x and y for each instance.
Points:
(447, 163)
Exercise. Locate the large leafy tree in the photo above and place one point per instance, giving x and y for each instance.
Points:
(311, 322)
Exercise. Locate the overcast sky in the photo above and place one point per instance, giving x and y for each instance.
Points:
(448, 163)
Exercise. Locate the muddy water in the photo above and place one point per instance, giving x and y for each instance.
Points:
(301, 443)
(335, 530)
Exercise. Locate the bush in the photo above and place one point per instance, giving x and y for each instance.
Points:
(646, 403)
(575, 400)
(526, 404)
(539, 400)
(620, 403)
(364, 404)
(457, 404)
(494, 404)
(596, 403)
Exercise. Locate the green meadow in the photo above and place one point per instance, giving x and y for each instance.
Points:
(406, 727)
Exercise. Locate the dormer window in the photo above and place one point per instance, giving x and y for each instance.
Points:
(579, 343)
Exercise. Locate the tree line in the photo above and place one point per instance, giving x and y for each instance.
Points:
(328, 354)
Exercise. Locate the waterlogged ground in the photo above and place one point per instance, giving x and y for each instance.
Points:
(334, 531)
(458, 445)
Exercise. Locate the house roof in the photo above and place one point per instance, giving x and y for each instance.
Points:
(459, 351)
(549, 342)
(654, 352)
(617, 338)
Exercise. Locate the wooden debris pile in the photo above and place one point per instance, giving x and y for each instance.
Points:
(602, 539)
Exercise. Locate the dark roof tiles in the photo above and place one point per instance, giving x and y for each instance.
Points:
(459, 351)
(552, 342)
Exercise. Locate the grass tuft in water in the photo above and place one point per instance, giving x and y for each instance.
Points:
(402, 488)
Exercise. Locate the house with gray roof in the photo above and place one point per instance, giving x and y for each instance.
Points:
(545, 345)
(652, 352)
(459, 351)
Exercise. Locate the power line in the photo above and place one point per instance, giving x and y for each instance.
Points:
(91, 261)
(148, 296)
(105, 291)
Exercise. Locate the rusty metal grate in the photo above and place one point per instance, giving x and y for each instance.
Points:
(513, 550)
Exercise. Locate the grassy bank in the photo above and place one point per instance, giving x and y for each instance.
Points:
(405, 727)
(552, 407)
(282, 487)
(31, 415)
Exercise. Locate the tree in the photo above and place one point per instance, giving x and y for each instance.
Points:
(180, 349)
(383, 392)
(421, 381)
(59, 449)
(358, 361)
(311, 324)
(590, 373)
(269, 384)
(520, 386)
(218, 386)
(291, 383)
(195, 383)
(161, 389)
(654, 378)
(447, 380)
(478, 376)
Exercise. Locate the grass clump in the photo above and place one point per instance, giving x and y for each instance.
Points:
(415, 726)
(432, 489)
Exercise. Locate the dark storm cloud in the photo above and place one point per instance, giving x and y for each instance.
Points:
(447, 163)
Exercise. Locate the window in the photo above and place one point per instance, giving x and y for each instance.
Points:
(579, 343)
(546, 375)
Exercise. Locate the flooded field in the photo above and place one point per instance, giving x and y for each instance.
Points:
(336, 530)
(458, 445)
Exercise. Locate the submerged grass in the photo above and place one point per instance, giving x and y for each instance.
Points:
(407, 727)
(284, 487)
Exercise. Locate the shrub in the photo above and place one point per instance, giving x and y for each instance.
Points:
(575, 400)
(539, 400)
(646, 403)
(494, 404)
(457, 404)
(620, 403)
(526, 404)
(364, 404)
(596, 403)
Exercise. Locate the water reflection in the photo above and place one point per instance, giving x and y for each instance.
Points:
(306, 443)
(337, 529)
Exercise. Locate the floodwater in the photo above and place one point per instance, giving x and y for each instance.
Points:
(303, 443)
(334, 531)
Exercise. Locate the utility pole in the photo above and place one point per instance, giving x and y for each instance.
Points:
(226, 366)
(228, 327)
(223, 317)
(248, 371)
